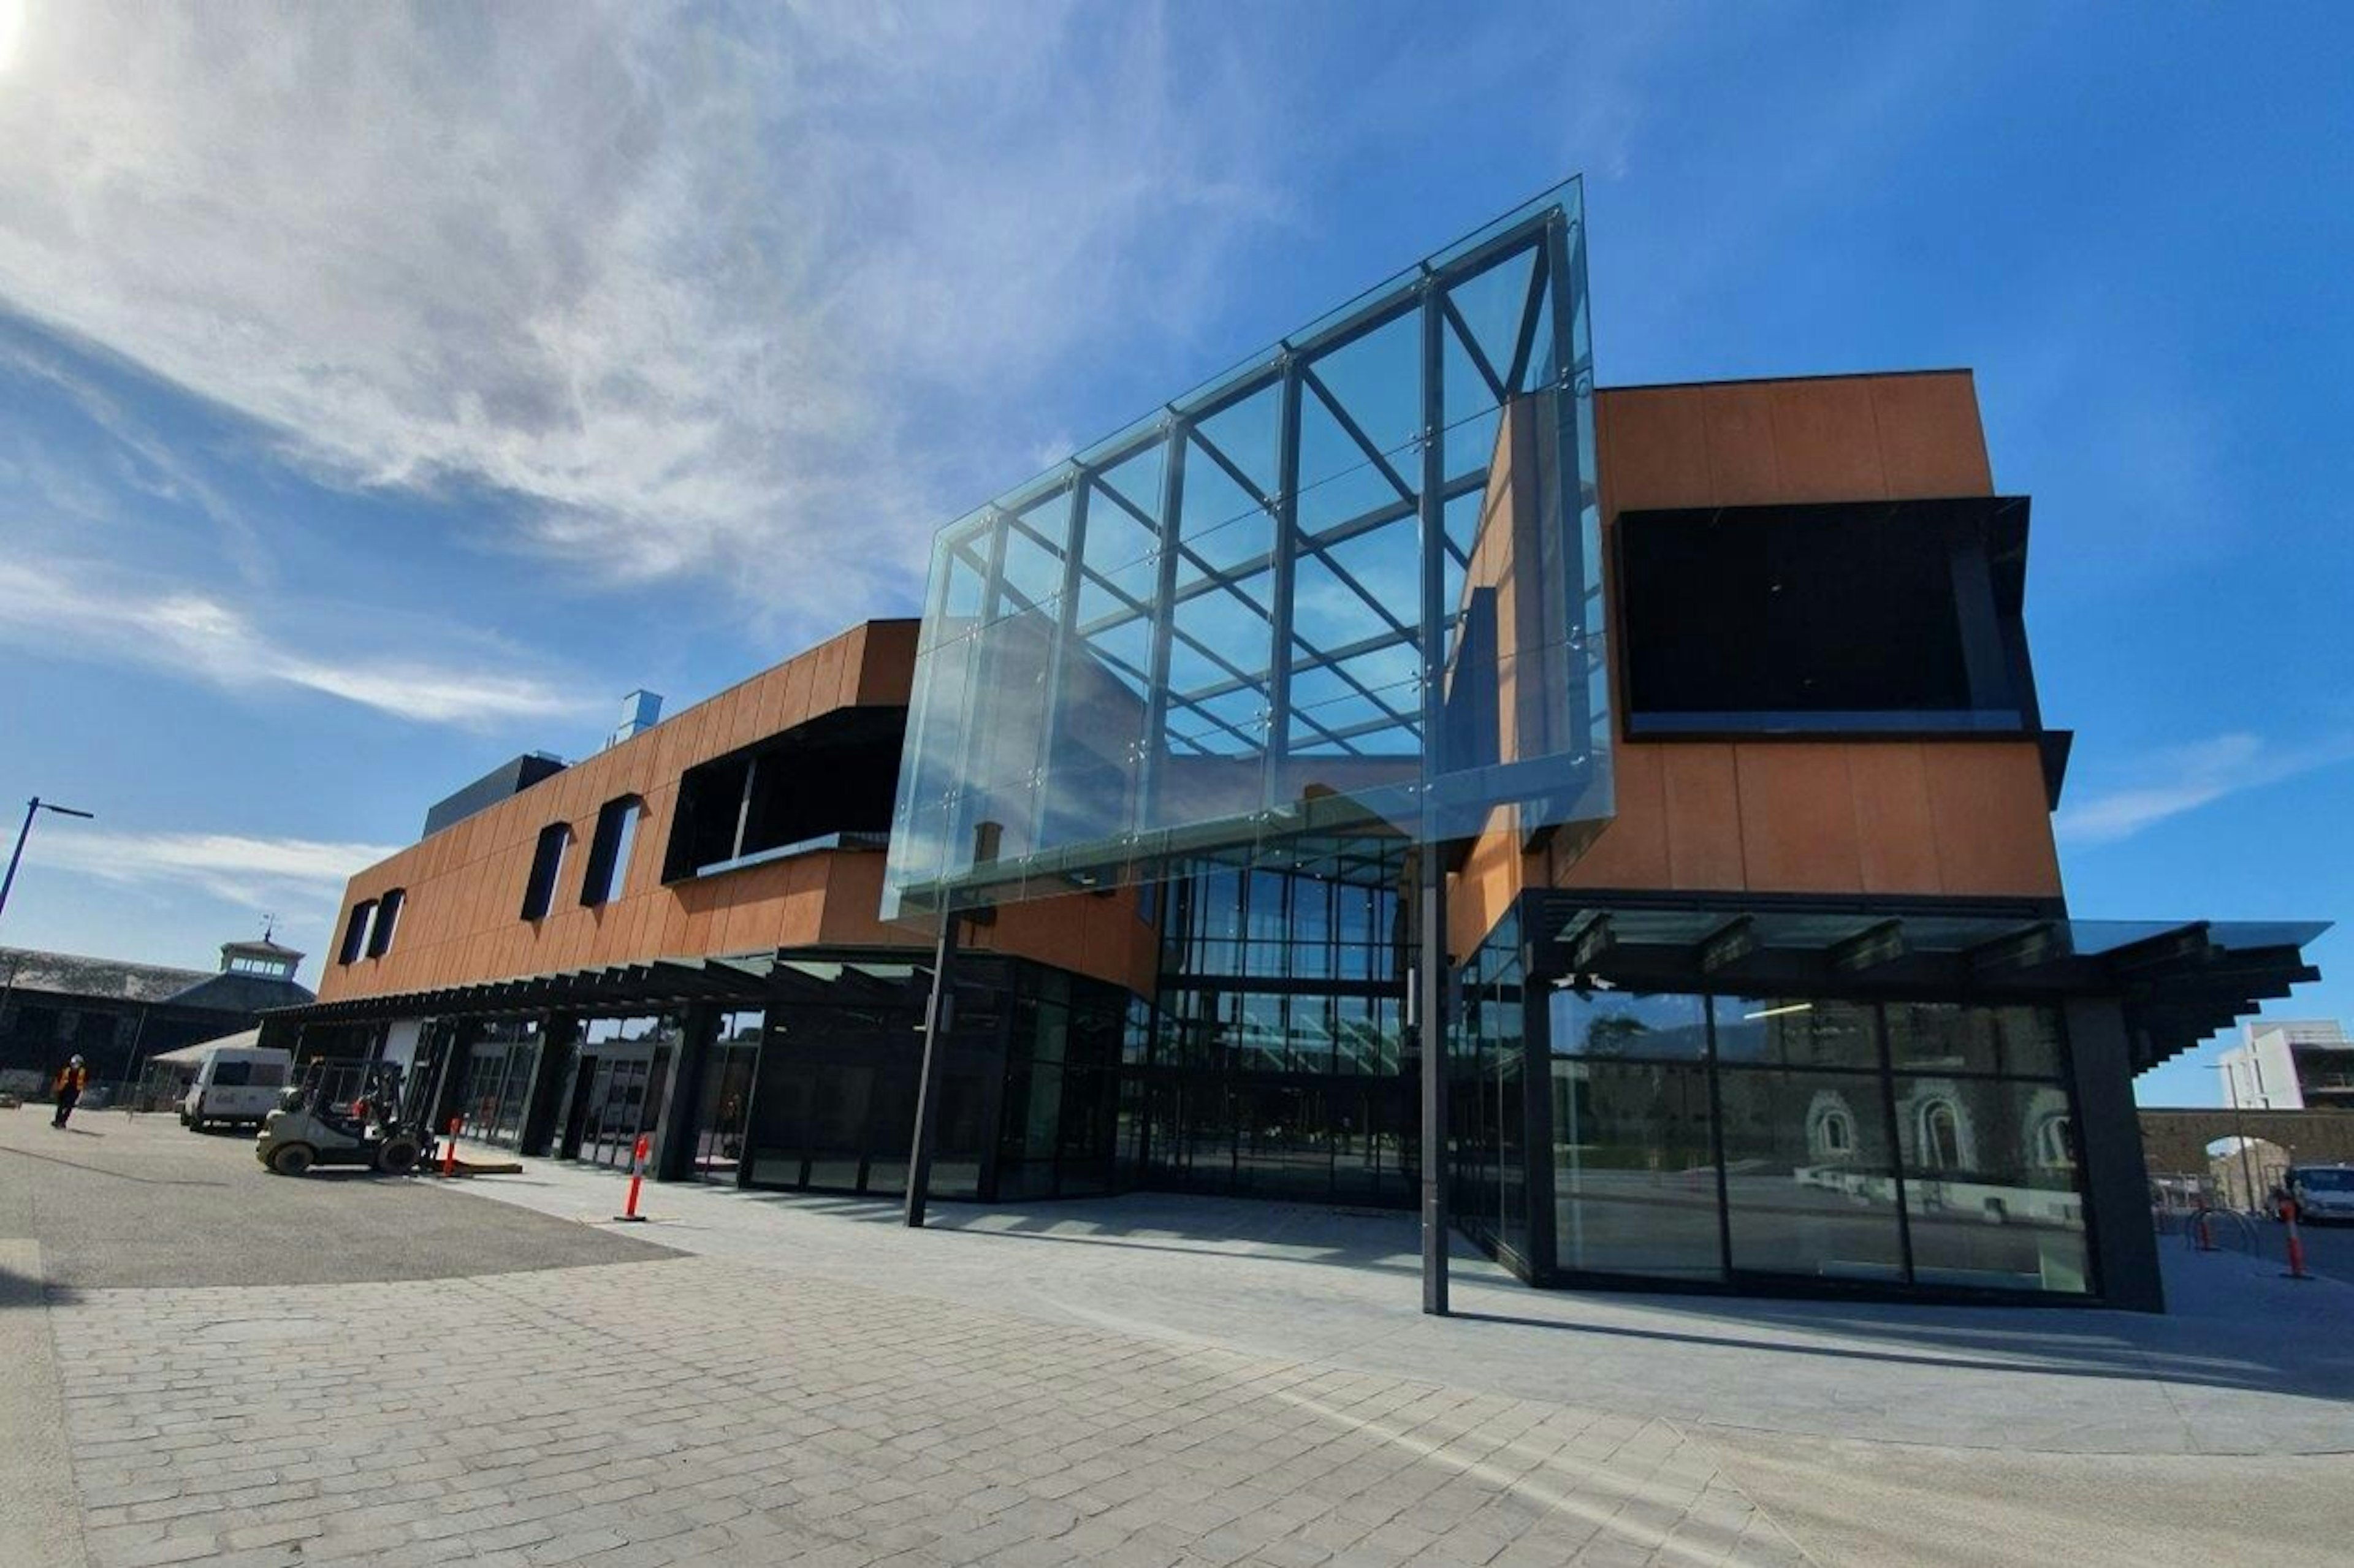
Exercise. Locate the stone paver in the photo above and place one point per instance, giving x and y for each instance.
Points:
(708, 1411)
(2244, 1363)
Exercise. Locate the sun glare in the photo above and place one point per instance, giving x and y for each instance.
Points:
(12, 29)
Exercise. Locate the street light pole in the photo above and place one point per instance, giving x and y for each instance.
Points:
(33, 808)
(2239, 1130)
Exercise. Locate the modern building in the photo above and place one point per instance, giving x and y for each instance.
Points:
(2290, 1063)
(1679, 745)
(115, 1014)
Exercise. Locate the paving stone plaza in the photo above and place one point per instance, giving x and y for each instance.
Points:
(748, 1399)
(873, 1428)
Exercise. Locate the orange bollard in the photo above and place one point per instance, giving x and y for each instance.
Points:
(449, 1149)
(2295, 1251)
(637, 1178)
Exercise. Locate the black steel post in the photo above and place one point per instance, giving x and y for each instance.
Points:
(940, 1017)
(674, 1133)
(1430, 1026)
(551, 1071)
(1536, 1109)
(2109, 1156)
(450, 1083)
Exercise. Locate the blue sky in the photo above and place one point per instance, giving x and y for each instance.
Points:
(385, 392)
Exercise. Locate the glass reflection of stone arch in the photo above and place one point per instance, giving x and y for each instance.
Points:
(1830, 1128)
(1944, 1139)
(2055, 1142)
(1353, 586)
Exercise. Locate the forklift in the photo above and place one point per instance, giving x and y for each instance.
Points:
(344, 1113)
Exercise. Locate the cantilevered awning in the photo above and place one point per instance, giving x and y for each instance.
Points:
(2180, 981)
(836, 976)
(660, 982)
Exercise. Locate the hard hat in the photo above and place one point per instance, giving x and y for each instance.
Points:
(77, 1062)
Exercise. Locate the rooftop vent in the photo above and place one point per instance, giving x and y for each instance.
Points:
(640, 711)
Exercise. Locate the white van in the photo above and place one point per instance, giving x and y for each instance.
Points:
(235, 1086)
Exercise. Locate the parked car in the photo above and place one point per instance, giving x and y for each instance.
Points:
(235, 1086)
(2321, 1194)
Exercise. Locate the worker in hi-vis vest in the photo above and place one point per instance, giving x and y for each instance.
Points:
(73, 1078)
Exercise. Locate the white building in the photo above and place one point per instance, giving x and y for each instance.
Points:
(2290, 1063)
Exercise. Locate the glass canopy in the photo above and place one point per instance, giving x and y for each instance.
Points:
(1352, 586)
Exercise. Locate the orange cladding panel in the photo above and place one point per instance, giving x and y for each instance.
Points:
(1824, 440)
(1894, 831)
(1741, 460)
(1702, 794)
(1654, 447)
(1632, 851)
(1994, 832)
(1931, 442)
(1798, 820)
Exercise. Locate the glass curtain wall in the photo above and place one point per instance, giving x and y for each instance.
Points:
(1057, 1130)
(834, 1105)
(1030, 1087)
(1487, 1096)
(1734, 1137)
(1273, 1068)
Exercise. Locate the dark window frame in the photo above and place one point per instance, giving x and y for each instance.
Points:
(356, 932)
(605, 877)
(386, 926)
(546, 870)
(1700, 593)
(827, 782)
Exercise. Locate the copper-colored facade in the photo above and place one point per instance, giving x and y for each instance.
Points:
(1960, 817)
(462, 887)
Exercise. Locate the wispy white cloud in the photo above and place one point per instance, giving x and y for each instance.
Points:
(692, 287)
(143, 462)
(277, 874)
(114, 618)
(2182, 778)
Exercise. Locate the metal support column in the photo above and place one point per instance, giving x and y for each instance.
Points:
(1144, 805)
(940, 1017)
(2124, 1247)
(674, 1132)
(1430, 1029)
(1536, 1112)
(551, 1074)
(1277, 788)
(450, 1084)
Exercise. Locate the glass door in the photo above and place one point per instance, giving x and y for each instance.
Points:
(724, 1105)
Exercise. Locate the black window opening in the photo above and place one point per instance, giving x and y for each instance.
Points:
(387, 918)
(356, 932)
(1834, 617)
(819, 785)
(607, 873)
(546, 865)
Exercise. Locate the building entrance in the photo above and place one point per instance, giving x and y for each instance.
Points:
(618, 1084)
(723, 1099)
